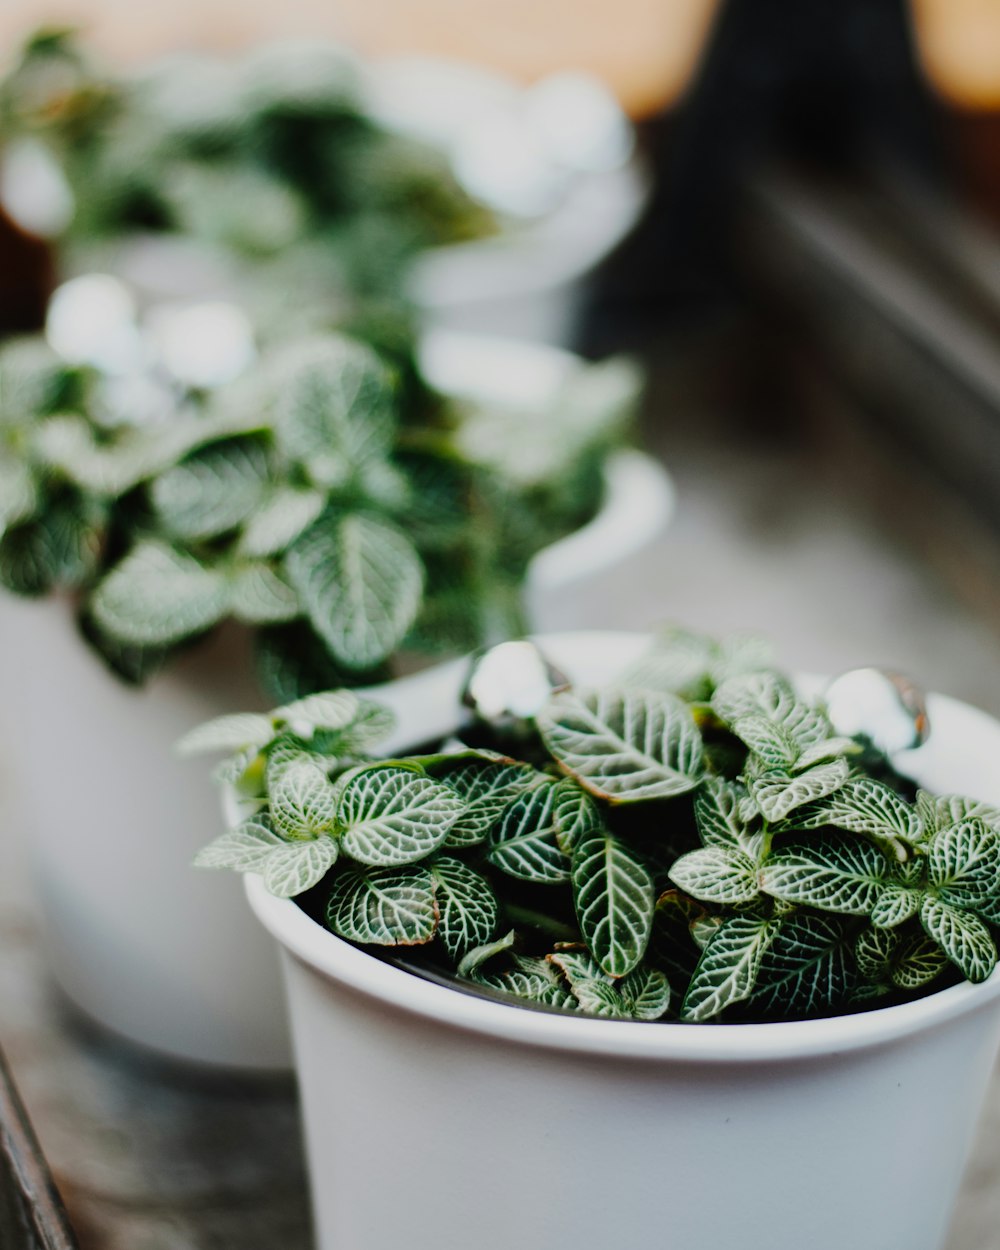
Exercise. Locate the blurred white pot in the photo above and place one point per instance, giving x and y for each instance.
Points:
(851, 1131)
(152, 949)
(555, 160)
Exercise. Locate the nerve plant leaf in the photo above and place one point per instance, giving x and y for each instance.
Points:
(772, 696)
(727, 971)
(384, 906)
(863, 805)
(360, 582)
(227, 733)
(524, 842)
(213, 491)
(486, 788)
(717, 874)
(614, 899)
(282, 516)
(830, 871)
(807, 969)
(259, 595)
(467, 906)
(777, 794)
(244, 849)
(624, 745)
(391, 815)
(964, 863)
(719, 814)
(302, 800)
(296, 867)
(156, 594)
(963, 937)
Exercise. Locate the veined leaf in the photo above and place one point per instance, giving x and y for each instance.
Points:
(768, 739)
(524, 842)
(273, 526)
(486, 787)
(834, 873)
(679, 662)
(213, 491)
(158, 595)
(916, 962)
(717, 874)
(771, 695)
(964, 862)
(962, 936)
(807, 970)
(719, 816)
(614, 900)
(259, 596)
(384, 906)
(245, 848)
(227, 733)
(941, 811)
(727, 970)
(466, 904)
(590, 986)
(874, 950)
(646, 992)
(826, 749)
(624, 745)
(331, 709)
(302, 799)
(895, 904)
(777, 794)
(576, 815)
(298, 866)
(335, 408)
(863, 805)
(391, 815)
(360, 582)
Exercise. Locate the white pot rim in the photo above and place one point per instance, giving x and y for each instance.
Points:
(332, 957)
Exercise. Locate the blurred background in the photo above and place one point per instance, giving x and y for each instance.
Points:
(813, 286)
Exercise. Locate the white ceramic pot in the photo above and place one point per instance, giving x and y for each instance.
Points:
(152, 949)
(554, 159)
(439, 1119)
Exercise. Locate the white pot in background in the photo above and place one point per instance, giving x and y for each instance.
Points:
(437, 1115)
(165, 955)
(555, 160)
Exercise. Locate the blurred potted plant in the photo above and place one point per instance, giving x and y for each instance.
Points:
(696, 845)
(483, 202)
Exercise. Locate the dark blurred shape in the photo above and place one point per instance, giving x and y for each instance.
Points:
(26, 279)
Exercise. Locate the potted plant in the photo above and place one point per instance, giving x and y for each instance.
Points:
(700, 951)
(358, 182)
(207, 556)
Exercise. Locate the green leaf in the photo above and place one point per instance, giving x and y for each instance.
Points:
(772, 696)
(467, 906)
(807, 969)
(591, 987)
(577, 816)
(245, 848)
(391, 815)
(874, 951)
(524, 842)
(624, 745)
(227, 733)
(614, 900)
(826, 749)
(964, 863)
(863, 805)
(157, 595)
(360, 582)
(18, 491)
(298, 866)
(280, 519)
(767, 739)
(646, 992)
(332, 709)
(777, 794)
(260, 596)
(916, 962)
(213, 491)
(302, 799)
(474, 959)
(719, 817)
(829, 871)
(942, 811)
(895, 904)
(963, 937)
(384, 906)
(727, 970)
(486, 787)
(717, 874)
(335, 408)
